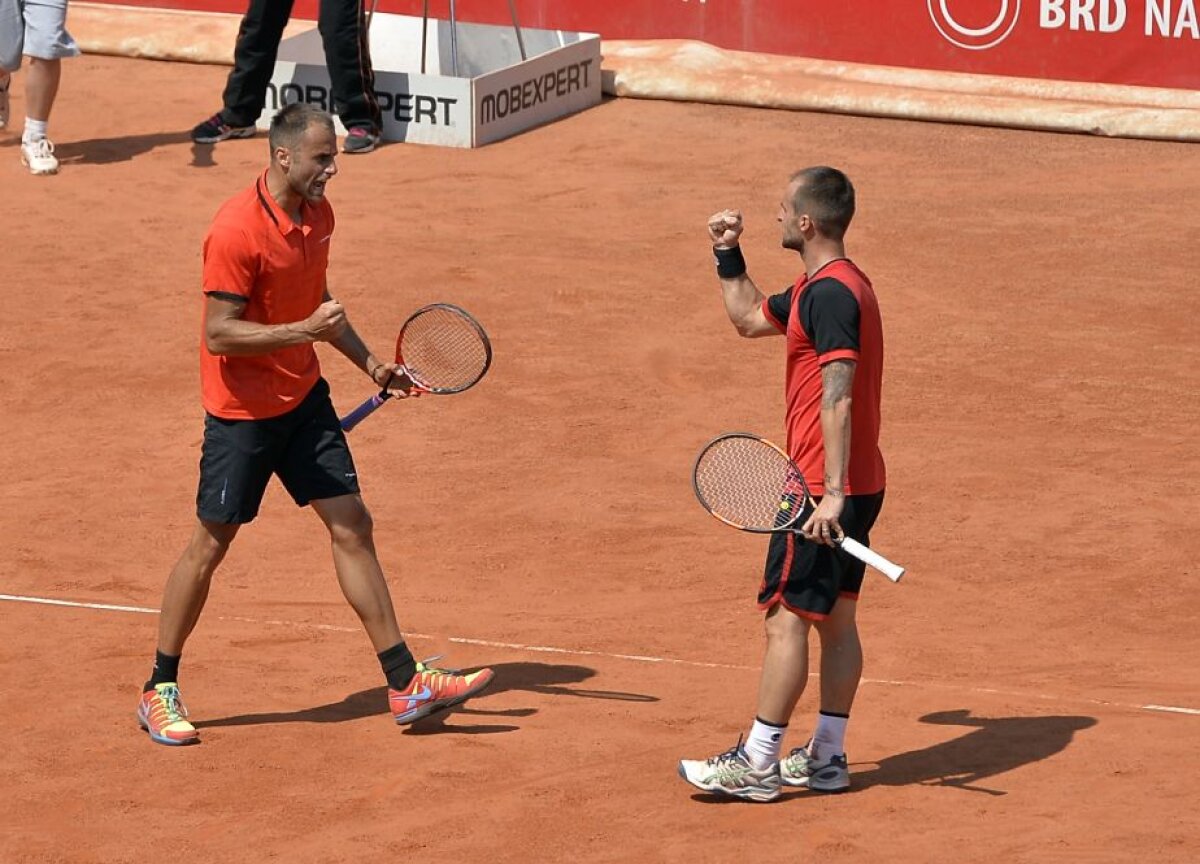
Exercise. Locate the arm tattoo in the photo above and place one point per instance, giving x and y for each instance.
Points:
(837, 379)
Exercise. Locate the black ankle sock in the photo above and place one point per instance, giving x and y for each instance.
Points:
(166, 668)
(398, 665)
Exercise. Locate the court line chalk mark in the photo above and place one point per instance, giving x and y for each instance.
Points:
(583, 652)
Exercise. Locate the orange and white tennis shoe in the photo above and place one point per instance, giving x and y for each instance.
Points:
(161, 713)
(432, 690)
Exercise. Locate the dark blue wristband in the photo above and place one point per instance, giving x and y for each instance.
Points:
(730, 263)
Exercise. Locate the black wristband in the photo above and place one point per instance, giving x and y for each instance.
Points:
(730, 263)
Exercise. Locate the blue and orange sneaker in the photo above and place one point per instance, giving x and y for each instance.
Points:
(161, 713)
(432, 690)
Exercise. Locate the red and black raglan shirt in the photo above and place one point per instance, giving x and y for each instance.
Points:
(832, 315)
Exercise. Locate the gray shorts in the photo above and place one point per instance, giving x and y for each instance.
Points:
(37, 28)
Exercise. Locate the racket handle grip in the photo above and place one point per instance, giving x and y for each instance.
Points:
(852, 547)
(363, 411)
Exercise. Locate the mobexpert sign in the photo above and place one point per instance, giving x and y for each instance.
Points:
(561, 75)
(537, 90)
(531, 92)
(1158, 19)
(397, 106)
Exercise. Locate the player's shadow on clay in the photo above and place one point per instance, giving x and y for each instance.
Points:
(105, 151)
(542, 678)
(552, 680)
(996, 746)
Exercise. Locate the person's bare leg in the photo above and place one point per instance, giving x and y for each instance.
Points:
(5, 81)
(187, 586)
(160, 710)
(358, 570)
(841, 657)
(841, 671)
(41, 87)
(785, 665)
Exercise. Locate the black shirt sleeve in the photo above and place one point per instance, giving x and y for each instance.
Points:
(780, 306)
(829, 315)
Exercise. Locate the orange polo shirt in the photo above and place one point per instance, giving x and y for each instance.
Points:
(253, 250)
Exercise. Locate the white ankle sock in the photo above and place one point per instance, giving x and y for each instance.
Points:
(830, 738)
(35, 130)
(764, 743)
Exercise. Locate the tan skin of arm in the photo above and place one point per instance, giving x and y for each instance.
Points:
(227, 333)
(837, 383)
(743, 300)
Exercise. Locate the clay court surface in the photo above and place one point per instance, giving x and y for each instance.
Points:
(1039, 297)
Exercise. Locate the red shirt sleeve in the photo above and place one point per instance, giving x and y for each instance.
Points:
(230, 262)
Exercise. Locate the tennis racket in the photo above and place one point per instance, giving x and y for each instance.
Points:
(749, 483)
(441, 349)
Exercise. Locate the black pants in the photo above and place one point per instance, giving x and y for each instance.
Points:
(343, 28)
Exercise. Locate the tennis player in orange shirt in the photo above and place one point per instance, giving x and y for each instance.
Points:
(268, 412)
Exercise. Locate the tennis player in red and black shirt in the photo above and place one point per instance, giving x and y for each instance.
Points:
(834, 340)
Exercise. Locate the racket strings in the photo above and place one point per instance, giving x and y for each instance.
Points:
(750, 484)
(444, 350)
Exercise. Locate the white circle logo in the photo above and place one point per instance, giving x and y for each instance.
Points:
(974, 38)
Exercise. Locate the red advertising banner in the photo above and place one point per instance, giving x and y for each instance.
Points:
(1152, 43)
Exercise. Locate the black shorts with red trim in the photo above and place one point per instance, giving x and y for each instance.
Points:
(305, 448)
(807, 577)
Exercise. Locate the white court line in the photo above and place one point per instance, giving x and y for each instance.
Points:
(104, 606)
(1170, 709)
(579, 652)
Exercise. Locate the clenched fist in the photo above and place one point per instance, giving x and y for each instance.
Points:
(725, 228)
(327, 323)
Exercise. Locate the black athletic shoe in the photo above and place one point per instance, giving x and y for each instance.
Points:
(360, 139)
(215, 129)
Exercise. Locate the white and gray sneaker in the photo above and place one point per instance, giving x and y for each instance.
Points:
(38, 156)
(730, 773)
(799, 768)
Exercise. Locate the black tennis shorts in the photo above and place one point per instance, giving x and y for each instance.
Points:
(305, 447)
(807, 577)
